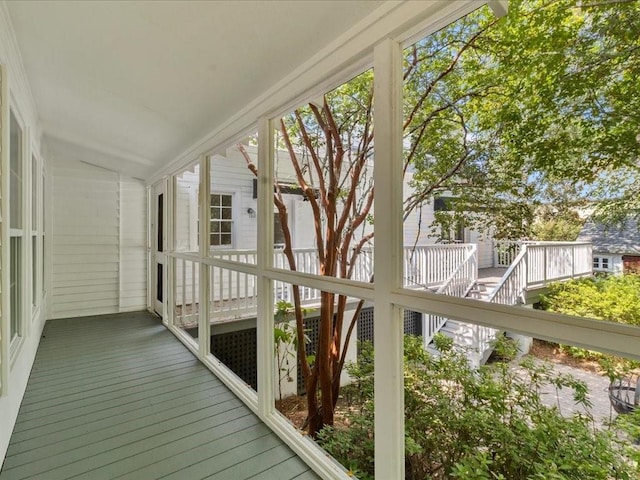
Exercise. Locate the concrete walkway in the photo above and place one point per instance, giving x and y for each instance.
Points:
(598, 395)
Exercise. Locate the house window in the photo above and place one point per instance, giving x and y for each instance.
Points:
(221, 233)
(35, 175)
(16, 227)
(601, 264)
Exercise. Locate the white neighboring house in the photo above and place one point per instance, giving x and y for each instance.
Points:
(233, 185)
(616, 248)
(417, 229)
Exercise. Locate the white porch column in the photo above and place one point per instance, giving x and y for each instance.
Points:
(204, 323)
(388, 330)
(264, 323)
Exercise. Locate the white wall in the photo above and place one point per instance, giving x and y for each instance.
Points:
(133, 245)
(485, 247)
(99, 240)
(15, 367)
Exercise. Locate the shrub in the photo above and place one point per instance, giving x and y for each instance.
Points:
(613, 298)
(479, 424)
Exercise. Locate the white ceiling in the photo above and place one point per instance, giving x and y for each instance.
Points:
(129, 85)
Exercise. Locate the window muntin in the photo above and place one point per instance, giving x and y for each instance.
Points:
(221, 219)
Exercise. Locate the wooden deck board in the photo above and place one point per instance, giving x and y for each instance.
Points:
(117, 396)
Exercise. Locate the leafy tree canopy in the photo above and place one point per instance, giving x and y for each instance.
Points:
(541, 106)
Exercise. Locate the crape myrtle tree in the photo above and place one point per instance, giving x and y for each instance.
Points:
(500, 114)
(329, 150)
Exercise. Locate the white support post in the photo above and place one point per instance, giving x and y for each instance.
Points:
(150, 263)
(264, 324)
(204, 325)
(168, 282)
(388, 331)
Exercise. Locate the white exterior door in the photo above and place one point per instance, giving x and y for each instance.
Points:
(159, 248)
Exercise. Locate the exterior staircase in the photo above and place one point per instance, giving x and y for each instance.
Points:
(533, 266)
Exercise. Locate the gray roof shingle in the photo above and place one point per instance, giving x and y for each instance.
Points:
(621, 239)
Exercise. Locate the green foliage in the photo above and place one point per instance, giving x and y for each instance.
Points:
(537, 107)
(285, 342)
(630, 424)
(560, 224)
(612, 298)
(484, 424)
(504, 348)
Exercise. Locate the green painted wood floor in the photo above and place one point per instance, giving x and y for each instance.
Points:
(118, 396)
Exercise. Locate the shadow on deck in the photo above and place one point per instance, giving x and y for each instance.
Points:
(118, 396)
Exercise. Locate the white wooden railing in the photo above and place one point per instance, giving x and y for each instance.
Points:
(233, 293)
(431, 265)
(513, 283)
(539, 263)
(536, 265)
(458, 284)
(186, 293)
(453, 269)
(551, 262)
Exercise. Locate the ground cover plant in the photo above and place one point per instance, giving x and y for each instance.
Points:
(479, 424)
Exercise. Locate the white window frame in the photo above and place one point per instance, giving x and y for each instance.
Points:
(16, 341)
(599, 262)
(233, 221)
(35, 226)
(42, 226)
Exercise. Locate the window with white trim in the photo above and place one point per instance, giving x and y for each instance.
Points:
(221, 217)
(16, 226)
(35, 198)
(602, 264)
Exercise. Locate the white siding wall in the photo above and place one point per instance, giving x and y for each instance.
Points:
(133, 246)
(485, 247)
(230, 175)
(417, 230)
(98, 257)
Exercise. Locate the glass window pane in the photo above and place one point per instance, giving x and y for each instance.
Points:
(34, 193)
(15, 166)
(15, 288)
(34, 270)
